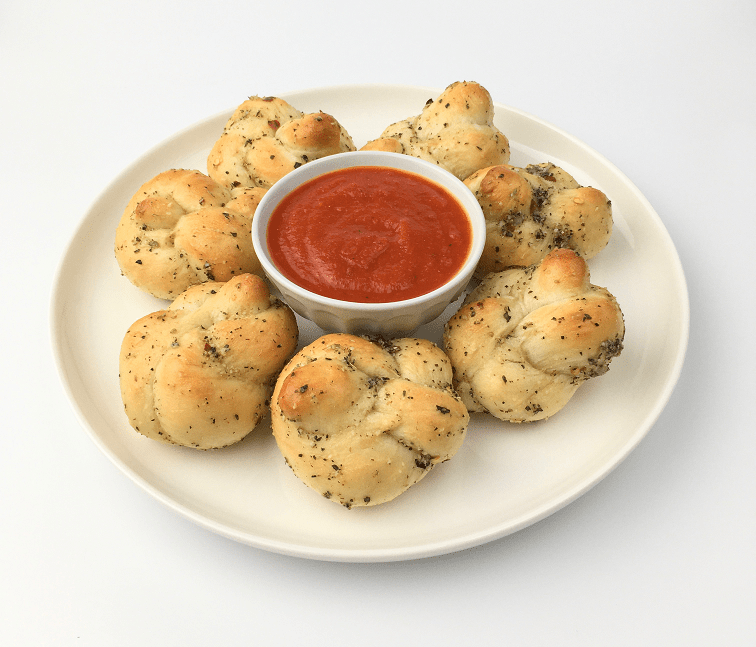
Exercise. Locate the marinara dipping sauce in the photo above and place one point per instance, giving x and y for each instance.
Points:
(369, 234)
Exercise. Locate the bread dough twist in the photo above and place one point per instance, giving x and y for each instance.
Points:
(532, 210)
(200, 373)
(456, 131)
(182, 228)
(525, 339)
(266, 138)
(362, 421)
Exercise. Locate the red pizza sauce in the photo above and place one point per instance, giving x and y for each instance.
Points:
(369, 234)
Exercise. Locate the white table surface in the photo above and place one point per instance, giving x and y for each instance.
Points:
(661, 552)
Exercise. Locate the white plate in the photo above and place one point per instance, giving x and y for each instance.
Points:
(504, 478)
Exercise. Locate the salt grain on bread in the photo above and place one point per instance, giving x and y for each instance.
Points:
(455, 131)
(182, 228)
(526, 339)
(266, 138)
(200, 373)
(361, 421)
(531, 210)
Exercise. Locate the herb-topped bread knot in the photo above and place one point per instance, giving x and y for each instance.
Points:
(360, 421)
(266, 138)
(182, 228)
(455, 131)
(532, 210)
(200, 373)
(525, 339)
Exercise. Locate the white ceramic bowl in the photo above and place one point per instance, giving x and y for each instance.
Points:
(392, 319)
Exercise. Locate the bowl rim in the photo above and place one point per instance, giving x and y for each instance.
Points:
(338, 161)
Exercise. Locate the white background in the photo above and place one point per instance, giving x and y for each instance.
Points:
(661, 552)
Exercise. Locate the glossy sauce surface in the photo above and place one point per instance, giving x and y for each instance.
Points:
(369, 234)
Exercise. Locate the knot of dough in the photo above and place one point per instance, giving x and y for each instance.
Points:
(201, 372)
(526, 338)
(456, 131)
(182, 228)
(361, 421)
(266, 138)
(532, 210)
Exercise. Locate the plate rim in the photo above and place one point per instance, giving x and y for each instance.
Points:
(366, 555)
